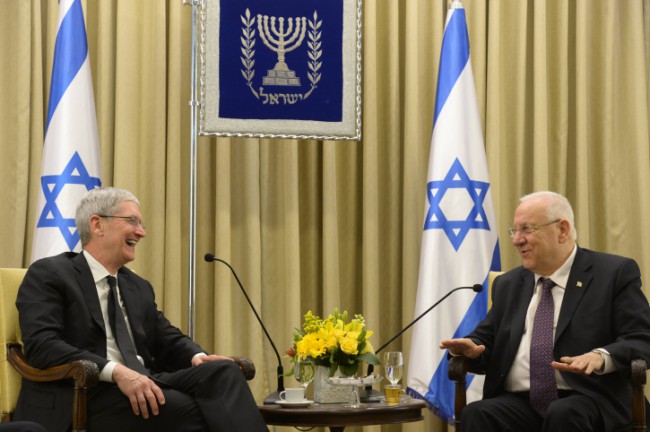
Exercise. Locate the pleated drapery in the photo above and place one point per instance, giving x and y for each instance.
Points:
(563, 90)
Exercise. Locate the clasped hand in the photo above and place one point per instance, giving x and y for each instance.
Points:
(140, 389)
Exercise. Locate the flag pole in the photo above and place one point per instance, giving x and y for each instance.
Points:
(194, 103)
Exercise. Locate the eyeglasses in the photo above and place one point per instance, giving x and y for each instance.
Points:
(529, 229)
(134, 221)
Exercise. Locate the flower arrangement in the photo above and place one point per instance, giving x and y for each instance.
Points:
(334, 342)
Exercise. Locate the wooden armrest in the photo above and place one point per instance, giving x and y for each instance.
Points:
(638, 376)
(638, 380)
(247, 367)
(84, 373)
(458, 366)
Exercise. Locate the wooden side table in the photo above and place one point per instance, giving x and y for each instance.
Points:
(337, 417)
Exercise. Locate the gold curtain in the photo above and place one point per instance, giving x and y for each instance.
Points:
(563, 90)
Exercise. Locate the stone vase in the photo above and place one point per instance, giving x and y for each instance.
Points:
(325, 392)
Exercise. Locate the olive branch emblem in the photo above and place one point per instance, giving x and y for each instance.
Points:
(314, 53)
(248, 51)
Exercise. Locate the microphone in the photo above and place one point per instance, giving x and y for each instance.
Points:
(370, 395)
(273, 397)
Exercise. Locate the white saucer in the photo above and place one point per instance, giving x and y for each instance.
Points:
(297, 404)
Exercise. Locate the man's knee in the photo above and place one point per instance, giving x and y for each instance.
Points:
(220, 376)
(474, 411)
(577, 413)
(225, 369)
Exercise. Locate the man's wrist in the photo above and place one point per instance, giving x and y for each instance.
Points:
(603, 356)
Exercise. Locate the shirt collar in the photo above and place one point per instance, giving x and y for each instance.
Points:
(561, 275)
(98, 271)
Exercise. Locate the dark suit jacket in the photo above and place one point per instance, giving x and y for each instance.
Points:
(61, 321)
(603, 307)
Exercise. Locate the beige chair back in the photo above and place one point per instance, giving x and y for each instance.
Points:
(10, 280)
(491, 276)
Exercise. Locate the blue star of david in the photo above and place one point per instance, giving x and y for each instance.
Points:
(456, 230)
(75, 172)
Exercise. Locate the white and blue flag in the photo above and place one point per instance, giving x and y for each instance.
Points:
(71, 159)
(459, 240)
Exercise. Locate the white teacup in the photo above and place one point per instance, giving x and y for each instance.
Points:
(294, 394)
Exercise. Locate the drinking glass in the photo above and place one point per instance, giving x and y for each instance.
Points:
(304, 371)
(393, 366)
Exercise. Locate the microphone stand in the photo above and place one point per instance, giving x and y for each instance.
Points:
(275, 396)
(367, 394)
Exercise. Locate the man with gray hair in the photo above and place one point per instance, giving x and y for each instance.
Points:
(557, 344)
(90, 306)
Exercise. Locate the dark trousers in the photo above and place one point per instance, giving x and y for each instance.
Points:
(211, 397)
(510, 412)
(21, 426)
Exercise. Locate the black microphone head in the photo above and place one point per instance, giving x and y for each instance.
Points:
(476, 287)
(209, 257)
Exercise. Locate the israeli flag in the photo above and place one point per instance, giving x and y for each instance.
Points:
(71, 159)
(459, 240)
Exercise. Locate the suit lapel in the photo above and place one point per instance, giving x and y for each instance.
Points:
(88, 289)
(521, 308)
(577, 285)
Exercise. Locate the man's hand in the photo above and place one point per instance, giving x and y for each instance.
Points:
(140, 390)
(582, 364)
(200, 359)
(463, 346)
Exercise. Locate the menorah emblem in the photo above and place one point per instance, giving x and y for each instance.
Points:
(281, 42)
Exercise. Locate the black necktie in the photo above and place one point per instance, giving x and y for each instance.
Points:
(120, 331)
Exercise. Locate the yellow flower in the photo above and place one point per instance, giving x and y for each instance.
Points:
(334, 342)
(368, 348)
(354, 326)
(349, 345)
(311, 346)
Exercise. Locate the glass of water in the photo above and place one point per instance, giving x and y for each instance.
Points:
(304, 371)
(393, 365)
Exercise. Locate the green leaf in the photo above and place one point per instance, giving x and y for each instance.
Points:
(349, 369)
(370, 358)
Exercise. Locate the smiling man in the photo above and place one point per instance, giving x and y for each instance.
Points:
(557, 343)
(90, 306)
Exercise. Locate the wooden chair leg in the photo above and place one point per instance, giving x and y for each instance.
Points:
(79, 409)
(458, 372)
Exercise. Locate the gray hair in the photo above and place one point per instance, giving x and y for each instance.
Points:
(100, 201)
(558, 207)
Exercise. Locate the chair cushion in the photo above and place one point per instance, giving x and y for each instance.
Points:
(10, 280)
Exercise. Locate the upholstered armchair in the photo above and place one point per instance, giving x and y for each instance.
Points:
(83, 374)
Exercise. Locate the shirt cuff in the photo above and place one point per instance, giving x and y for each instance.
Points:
(201, 354)
(609, 365)
(106, 375)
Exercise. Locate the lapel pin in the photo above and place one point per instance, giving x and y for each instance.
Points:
(579, 284)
